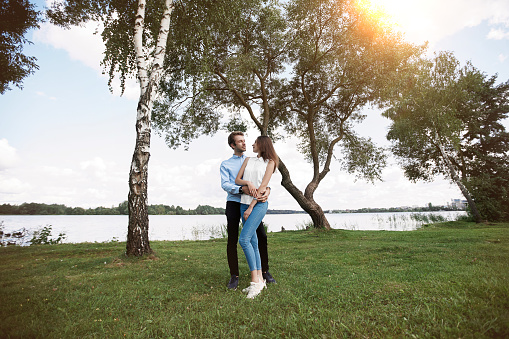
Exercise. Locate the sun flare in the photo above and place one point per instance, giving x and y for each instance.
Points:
(400, 15)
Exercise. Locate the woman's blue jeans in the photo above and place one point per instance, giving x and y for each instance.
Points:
(248, 239)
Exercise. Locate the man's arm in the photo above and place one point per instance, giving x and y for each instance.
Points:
(239, 181)
(225, 181)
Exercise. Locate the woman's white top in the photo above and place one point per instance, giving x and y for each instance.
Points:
(254, 172)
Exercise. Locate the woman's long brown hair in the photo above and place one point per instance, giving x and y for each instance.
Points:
(266, 149)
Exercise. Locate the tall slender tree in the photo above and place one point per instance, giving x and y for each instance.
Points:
(135, 34)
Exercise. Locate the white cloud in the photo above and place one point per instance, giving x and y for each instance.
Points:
(8, 155)
(97, 164)
(502, 57)
(11, 185)
(80, 42)
(498, 34)
(83, 44)
(207, 167)
(97, 194)
(57, 171)
(433, 20)
(44, 95)
(99, 169)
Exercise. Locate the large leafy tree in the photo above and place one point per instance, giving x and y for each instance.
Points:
(303, 69)
(485, 142)
(135, 35)
(17, 17)
(447, 121)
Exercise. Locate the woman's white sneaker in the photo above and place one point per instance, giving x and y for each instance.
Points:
(252, 284)
(255, 289)
(247, 289)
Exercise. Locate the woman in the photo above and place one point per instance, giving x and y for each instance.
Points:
(255, 173)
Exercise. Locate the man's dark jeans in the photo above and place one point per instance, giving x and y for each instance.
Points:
(232, 228)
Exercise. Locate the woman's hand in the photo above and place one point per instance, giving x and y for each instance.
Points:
(247, 213)
(252, 189)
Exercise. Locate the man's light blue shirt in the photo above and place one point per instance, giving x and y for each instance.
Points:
(229, 170)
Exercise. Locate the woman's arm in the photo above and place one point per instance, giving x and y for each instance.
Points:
(266, 178)
(240, 181)
(261, 189)
(247, 213)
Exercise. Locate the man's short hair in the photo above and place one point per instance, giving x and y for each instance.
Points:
(231, 137)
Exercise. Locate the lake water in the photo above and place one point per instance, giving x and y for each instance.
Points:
(100, 228)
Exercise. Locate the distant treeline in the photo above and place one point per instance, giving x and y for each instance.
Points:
(121, 209)
(429, 208)
(284, 212)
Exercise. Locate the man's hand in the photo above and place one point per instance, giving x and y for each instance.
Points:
(264, 196)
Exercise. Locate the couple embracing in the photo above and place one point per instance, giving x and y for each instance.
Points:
(246, 180)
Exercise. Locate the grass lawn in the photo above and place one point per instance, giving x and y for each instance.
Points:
(448, 280)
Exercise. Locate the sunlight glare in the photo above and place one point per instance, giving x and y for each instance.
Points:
(401, 15)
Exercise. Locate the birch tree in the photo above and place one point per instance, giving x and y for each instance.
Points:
(135, 35)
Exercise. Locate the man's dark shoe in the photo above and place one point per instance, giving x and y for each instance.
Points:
(234, 282)
(268, 278)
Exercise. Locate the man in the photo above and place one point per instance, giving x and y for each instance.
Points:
(229, 170)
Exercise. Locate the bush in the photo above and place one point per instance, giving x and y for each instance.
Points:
(43, 237)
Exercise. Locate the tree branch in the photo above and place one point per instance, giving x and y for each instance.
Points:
(241, 99)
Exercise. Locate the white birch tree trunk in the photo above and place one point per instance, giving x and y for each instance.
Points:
(149, 72)
(455, 177)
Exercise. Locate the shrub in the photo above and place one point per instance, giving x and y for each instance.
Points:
(44, 237)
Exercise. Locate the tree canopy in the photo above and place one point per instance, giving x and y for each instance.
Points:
(17, 17)
(299, 68)
(447, 121)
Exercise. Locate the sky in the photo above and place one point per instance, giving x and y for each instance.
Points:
(66, 139)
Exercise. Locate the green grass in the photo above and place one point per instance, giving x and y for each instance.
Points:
(447, 280)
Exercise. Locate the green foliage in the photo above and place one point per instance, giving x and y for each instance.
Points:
(363, 158)
(461, 109)
(491, 193)
(17, 17)
(444, 281)
(429, 218)
(218, 52)
(44, 237)
(239, 62)
(302, 69)
(35, 209)
(206, 209)
(341, 62)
